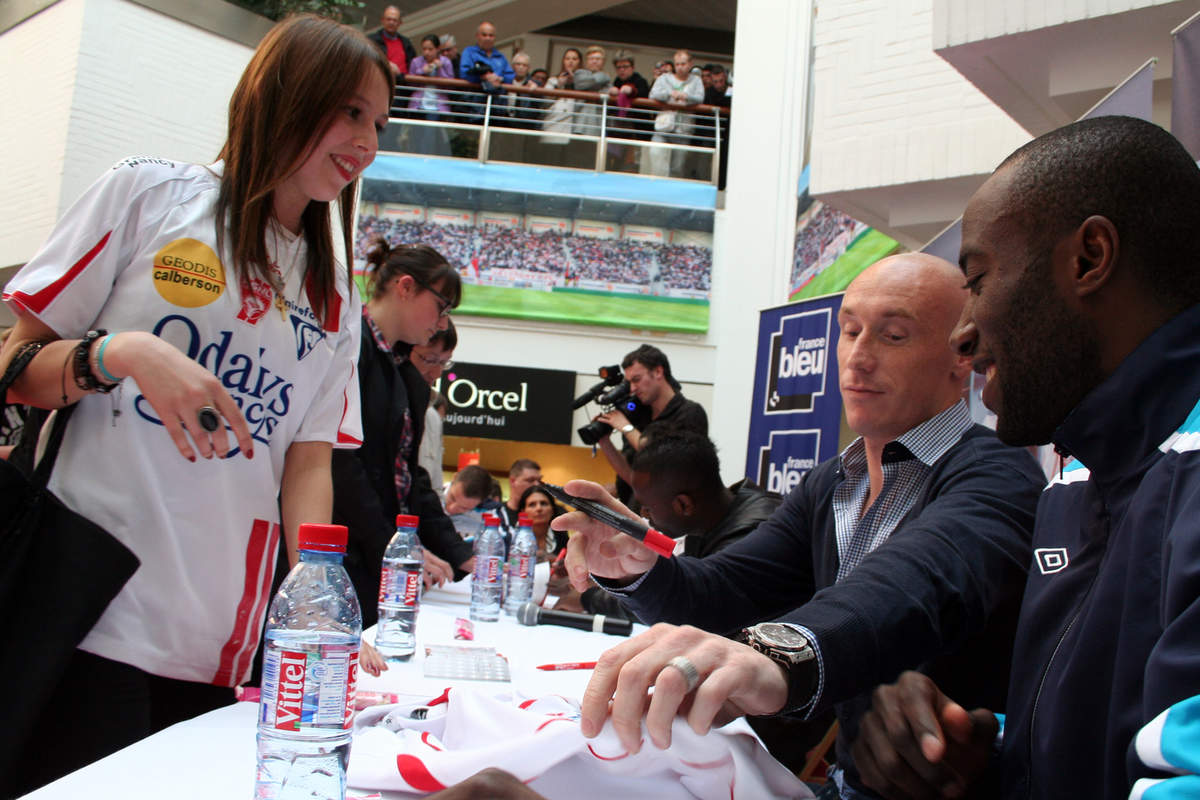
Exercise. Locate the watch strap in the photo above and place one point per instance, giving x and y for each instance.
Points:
(803, 674)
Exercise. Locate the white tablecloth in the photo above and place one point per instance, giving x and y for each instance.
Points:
(213, 756)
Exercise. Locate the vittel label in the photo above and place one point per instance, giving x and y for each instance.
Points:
(303, 689)
(399, 586)
(289, 700)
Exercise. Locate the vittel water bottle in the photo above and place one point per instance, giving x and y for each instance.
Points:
(486, 584)
(310, 669)
(522, 556)
(400, 592)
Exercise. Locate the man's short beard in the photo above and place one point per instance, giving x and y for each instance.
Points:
(1051, 360)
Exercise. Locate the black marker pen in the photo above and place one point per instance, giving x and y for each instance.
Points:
(658, 542)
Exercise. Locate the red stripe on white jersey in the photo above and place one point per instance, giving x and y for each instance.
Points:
(38, 301)
(260, 560)
(345, 438)
(246, 657)
(333, 304)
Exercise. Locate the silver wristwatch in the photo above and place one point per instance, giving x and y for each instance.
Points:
(791, 649)
(627, 428)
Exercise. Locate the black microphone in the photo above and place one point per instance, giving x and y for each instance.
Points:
(533, 614)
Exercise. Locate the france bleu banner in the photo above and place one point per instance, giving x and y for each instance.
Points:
(796, 410)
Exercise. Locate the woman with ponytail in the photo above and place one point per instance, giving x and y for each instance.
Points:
(411, 291)
(202, 322)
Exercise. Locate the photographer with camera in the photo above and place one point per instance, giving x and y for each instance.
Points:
(648, 375)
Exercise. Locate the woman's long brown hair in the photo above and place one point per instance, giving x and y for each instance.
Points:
(299, 77)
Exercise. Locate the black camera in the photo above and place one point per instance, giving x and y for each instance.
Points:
(596, 430)
(611, 376)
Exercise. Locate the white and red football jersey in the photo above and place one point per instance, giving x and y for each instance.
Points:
(138, 252)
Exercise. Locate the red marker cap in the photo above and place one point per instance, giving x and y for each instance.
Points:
(659, 542)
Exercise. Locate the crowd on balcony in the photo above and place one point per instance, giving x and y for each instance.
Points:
(677, 82)
(571, 256)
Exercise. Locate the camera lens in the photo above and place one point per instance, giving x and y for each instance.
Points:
(594, 431)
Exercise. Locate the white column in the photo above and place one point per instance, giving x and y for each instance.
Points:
(754, 234)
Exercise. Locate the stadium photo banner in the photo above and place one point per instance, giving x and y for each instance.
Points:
(550, 244)
(796, 411)
(515, 403)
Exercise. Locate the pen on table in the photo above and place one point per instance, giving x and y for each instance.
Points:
(568, 665)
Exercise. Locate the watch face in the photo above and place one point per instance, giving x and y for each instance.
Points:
(784, 637)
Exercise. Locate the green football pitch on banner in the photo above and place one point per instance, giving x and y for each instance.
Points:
(585, 307)
(864, 251)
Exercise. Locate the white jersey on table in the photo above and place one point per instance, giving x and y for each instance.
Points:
(137, 252)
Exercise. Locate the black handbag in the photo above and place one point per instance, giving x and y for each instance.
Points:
(58, 572)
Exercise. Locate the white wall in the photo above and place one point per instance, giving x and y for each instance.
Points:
(37, 59)
(960, 21)
(753, 236)
(888, 110)
(139, 83)
(147, 85)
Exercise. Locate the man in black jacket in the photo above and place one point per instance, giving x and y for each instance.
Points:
(1079, 253)
(662, 407)
(677, 481)
(908, 550)
(395, 45)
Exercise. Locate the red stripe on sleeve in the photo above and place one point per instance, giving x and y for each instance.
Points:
(38, 301)
(345, 438)
(256, 554)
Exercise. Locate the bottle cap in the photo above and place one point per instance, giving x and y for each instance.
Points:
(490, 519)
(407, 521)
(523, 519)
(323, 538)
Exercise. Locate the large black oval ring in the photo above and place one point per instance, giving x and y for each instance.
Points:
(208, 418)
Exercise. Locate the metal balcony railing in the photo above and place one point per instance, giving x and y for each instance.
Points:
(550, 127)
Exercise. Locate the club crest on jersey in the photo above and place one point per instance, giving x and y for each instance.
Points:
(1051, 559)
(307, 336)
(256, 299)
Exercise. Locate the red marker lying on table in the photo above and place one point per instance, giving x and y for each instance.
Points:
(658, 542)
(568, 665)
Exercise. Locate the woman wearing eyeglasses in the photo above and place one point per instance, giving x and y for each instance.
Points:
(431, 360)
(411, 292)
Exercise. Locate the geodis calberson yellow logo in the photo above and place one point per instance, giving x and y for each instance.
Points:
(188, 273)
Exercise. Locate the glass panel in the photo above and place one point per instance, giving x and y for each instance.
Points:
(429, 138)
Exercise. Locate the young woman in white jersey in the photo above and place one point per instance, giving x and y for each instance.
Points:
(210, 389)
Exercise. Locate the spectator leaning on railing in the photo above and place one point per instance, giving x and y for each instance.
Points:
(430, 102)
(521, 110)
(591, 78)
(627, 87)
(681, 88)
(395, 45)
(561, 113)
(483, 64)
(449, 49)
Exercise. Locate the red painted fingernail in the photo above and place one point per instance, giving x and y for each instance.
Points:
(192, 459)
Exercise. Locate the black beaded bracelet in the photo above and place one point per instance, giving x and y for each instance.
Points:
(84, 378)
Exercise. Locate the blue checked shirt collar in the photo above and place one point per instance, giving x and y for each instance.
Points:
(906, 467)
